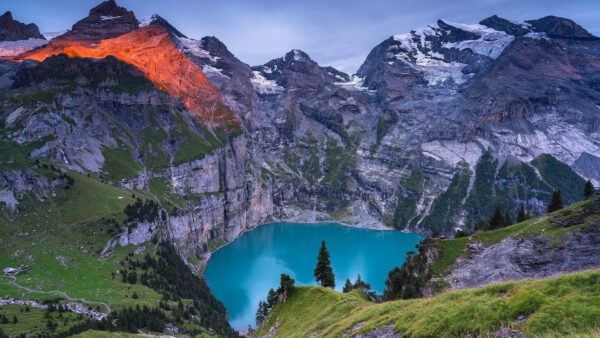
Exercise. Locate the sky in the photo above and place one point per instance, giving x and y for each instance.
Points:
(338, 33)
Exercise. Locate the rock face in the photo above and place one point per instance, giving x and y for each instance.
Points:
(13, 30)
(105, 21)
(527, 257)
(161, 63)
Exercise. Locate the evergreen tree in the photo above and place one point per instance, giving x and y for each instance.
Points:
(286, 286)
(521, 216)
(507, 218)
(497, 220)
(271, 298)
(15, 320)
(323, 271)
(588, 190)
(261, 312)
(347, 286)
(555, 202)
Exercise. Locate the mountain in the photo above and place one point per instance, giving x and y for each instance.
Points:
(437, 127)
(16, 37)
(12, 30)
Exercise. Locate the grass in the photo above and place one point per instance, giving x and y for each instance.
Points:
(118, 162)
(194, 147)
(450, 250)
(16, 156)
(560, 175)
(156, 157)
(33, 321)
(566, 305)
(61, 237)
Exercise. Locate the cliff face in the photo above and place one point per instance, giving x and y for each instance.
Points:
(13, 30)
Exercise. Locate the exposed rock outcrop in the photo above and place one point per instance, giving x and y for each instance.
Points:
(13, 30)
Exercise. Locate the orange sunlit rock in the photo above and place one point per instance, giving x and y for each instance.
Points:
(150, 50)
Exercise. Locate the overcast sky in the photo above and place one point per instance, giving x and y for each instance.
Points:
(337, 33)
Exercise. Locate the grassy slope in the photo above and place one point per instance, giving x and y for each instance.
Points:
(566, 305)
(452, 249)
(54, 231)
(560, 306)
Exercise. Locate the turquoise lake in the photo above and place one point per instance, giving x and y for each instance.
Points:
(241, 273)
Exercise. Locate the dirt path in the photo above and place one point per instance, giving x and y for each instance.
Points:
(56, 292)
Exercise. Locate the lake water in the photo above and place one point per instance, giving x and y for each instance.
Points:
(241, 273)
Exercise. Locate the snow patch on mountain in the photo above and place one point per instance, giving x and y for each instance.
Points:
(537, 35)
(264, 86)
(415, 51)
(212, 71)
(107, 17)
(355, 83)
(14, 48)
(491, 42)
(51, 35)
(145, 21)
(194, 47)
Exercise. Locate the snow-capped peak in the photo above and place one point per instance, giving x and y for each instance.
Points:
(147, 20)
(491, 42)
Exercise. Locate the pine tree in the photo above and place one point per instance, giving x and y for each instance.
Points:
(347, 286)
(521, 216)
(323, 271)
(588, 190)
(507, 218)
(271, 298)
(497, 220)
(261, 312)
(15, 320)
(555, 202)
(286, 286)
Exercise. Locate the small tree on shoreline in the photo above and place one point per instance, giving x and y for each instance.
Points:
(323, 271)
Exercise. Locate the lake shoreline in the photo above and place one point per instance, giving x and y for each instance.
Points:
(313, 217)
(241, 272)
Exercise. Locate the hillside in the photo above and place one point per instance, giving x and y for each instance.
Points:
(561, 306)
(500, 263)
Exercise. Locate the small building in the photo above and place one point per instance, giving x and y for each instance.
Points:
(10, 271)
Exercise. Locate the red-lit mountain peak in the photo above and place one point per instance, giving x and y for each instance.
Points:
(151, 51)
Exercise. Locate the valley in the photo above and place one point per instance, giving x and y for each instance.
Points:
(132, 153)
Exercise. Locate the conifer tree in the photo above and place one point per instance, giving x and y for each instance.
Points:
(507, 218)
(347, 286)
(261, 312)
(588, 190)
(286, 286)
(555, 202)
(323, 271)
(521, 216)
(271, 298)
(497, 220)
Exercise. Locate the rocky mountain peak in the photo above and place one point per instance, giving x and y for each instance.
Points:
(297, 67)
(557, 27)
(109, 8)
(13, 30)
(501, 24)
(104, 21)
(156, 19)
